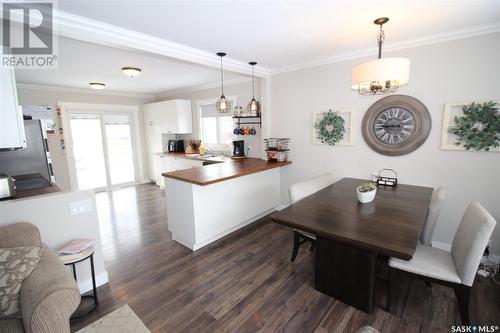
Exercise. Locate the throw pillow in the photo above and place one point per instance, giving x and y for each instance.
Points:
(16, 264)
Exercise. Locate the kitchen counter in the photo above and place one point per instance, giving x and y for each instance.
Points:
(219, 172)
(38, 191)
(206, 203)
(31, 185)
(197, 157)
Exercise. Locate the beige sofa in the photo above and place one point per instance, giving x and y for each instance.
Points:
(49, 295)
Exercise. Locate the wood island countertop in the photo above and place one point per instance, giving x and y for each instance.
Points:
(219, 172)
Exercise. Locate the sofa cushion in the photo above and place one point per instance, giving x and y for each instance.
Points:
(16, 263)
(11, 326)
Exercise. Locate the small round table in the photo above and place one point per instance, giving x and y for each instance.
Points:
(86, 304)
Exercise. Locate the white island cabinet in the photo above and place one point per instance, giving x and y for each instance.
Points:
(207, 203)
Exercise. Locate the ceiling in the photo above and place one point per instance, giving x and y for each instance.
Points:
(81, 62)
(280, 34)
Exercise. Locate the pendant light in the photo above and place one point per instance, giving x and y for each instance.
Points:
(223, 105)
(380, 76)
(253, 106)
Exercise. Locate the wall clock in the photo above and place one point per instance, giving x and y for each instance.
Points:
(396, 125)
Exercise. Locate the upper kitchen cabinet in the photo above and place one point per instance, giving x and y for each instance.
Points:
(172, 117)
(11, 118)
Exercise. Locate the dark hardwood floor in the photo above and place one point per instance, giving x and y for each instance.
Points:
(245, 282)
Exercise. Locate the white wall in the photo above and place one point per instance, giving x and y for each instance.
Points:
(461, 70)
(243, 91)
(30, 96)
(51, 214)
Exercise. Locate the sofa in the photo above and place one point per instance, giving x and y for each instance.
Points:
(49, 295)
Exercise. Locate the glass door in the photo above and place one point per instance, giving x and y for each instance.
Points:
(119, 149)
(103, 150)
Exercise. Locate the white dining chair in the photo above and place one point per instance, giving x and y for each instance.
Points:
(298, 192)
(456, 269)
(437, 200)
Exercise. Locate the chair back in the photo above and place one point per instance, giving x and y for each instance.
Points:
(433, 213)
(304, 189)
(470, 241)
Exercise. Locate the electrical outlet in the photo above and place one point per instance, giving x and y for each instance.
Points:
(80, 207)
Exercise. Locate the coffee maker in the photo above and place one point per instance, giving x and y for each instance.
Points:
(239, 148)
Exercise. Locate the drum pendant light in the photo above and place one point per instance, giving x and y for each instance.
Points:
(253, 106)
(223, 105)
(380, 76)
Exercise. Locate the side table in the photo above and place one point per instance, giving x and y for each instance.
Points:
(86, 304)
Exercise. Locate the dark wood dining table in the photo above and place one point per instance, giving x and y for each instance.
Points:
(351, 236)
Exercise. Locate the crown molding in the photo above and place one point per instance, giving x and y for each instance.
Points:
(82, 28)
(416, 42)
(201, 87)
(83, 91)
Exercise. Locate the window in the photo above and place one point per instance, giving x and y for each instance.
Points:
(216, 129)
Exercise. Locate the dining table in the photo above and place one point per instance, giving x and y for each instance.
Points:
(352, 236)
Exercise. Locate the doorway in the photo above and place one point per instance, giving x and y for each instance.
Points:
(102, 149)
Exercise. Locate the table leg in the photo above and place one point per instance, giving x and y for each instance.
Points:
(346, 273)
(94, 289)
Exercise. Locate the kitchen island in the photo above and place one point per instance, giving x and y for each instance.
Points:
(209, 202)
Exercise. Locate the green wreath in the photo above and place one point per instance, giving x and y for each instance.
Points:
(330, 129)
(479, 127)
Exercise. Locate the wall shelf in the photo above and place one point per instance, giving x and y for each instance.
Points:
(257, 121)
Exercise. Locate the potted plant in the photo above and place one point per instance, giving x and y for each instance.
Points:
(366, 192)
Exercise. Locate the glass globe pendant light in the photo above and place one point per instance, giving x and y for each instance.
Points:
(253, 106)
(383, 75)
(223, 105)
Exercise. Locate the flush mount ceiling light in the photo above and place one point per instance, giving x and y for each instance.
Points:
(223, 105)
(131, 71)
(380, 76)
(97, 85)
(253, 105)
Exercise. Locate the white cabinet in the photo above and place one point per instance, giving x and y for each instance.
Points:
(169, 117)
(172, 117)
(152, 132)
(182, 163)
(163, 164)
(11, 118)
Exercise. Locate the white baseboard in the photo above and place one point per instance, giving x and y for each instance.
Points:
(281, 207)
(86, 285)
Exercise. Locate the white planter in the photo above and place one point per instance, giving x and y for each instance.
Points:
(365, 197)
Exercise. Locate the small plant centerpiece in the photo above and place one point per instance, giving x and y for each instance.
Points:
(366, 192)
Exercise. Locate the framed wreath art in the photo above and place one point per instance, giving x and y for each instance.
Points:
(332, 128)
(471, 126)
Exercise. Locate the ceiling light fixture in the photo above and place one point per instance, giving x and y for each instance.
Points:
(223, 105)
(380, 76)
(97, 85)
(253, 106)
(131, 71)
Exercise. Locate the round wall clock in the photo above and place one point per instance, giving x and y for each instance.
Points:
(396, 125)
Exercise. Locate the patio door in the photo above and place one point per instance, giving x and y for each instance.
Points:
(103, 151)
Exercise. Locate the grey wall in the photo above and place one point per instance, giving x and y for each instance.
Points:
(454, 71)
(51, 214)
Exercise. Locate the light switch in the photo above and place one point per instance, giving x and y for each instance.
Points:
(80, 207)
